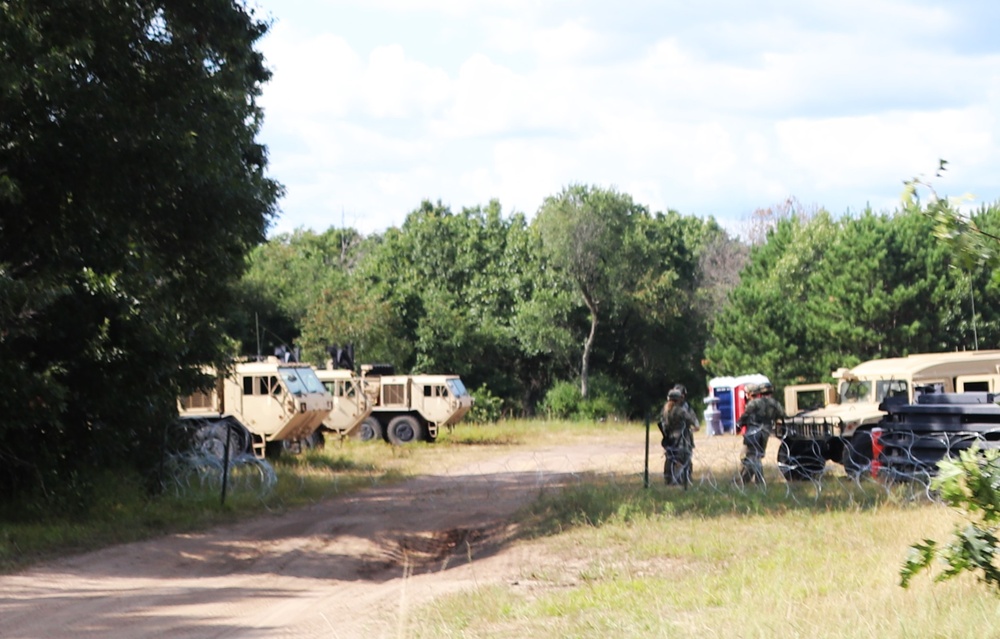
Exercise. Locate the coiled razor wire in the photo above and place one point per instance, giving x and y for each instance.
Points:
(209, 454)
(901, 462)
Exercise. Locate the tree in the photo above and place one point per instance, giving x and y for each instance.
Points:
(588, 236)
(131, 188)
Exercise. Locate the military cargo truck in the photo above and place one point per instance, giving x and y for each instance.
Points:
(350, 404)
(408, 408)
(840, 430)
(257, 407)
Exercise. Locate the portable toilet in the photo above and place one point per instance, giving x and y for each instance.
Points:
(732, 396)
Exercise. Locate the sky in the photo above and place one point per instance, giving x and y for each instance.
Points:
(711, 108)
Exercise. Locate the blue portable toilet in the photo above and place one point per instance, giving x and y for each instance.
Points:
(731, 393)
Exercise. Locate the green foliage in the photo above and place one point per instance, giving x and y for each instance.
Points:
(970, 483)
(487, 408)
(825, 292)
(132, 188)
(563, 401)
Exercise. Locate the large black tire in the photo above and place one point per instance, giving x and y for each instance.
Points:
(858, 455)
(800, 461)
(403, 430)
(369, 430)
(210, 438)
(273, 449)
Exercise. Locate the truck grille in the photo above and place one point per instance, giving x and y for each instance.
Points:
(809, 428)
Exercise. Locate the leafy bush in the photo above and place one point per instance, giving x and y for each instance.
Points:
(969, 484)
(562, 400)
(604, 398)
(487, 407)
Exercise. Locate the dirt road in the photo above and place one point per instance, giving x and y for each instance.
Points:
(347, 567)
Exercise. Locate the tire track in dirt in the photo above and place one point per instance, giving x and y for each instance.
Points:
(352, 566)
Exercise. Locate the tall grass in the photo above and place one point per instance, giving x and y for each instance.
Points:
(611, 559)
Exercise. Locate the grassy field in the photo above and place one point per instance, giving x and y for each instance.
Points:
(612, 558)
(616, 559)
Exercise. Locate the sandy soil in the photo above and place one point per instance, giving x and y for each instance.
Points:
(347, 567)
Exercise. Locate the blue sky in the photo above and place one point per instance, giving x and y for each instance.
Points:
(715, 108)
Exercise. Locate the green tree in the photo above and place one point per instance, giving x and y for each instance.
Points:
(588, 236)
(131, 188)
(825, 292)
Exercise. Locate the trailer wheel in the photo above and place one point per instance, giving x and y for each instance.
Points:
(800, 461)
(403, 430)
(370, 429)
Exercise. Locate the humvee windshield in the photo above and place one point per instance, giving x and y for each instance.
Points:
(860, 390)
(300, 381)
(456, 387)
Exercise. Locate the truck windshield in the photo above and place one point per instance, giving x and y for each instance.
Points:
(860, 390)
(456, 387)
(300, 381)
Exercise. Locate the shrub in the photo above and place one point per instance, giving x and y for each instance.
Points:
(486, 408)
(604, 398)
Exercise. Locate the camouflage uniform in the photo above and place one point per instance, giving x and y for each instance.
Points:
(758, 419)
(676, 424)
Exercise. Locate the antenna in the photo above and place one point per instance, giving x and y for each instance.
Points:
(256, 319)
(972, 296)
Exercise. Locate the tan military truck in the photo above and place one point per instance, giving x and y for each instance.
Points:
(257, 407)
(350, 404)
(830, 422)
(408, 408)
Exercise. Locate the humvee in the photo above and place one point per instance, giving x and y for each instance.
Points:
(258, 407)
(840, 418)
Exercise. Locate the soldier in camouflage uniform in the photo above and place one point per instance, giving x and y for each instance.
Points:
(758, 421)
(677, 423)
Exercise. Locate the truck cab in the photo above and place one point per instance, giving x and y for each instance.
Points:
(272, 401)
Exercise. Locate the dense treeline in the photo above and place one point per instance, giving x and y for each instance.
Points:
(509, 304)
(823, 293)
(514, 306)
(131, 189)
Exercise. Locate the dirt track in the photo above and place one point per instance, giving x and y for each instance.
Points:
(347, 567)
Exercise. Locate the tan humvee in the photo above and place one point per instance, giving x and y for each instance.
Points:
(274, 402)
(842, 427)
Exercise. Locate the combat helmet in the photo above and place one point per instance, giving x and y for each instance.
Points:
(766, 388)
(751, 389)
(675, 395)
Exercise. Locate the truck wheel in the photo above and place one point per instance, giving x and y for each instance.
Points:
(210, 439)
(273, 449)
(370, 429)
(858, 453)
(800, 461)
(403, 430)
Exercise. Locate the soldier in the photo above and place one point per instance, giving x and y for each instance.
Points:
(758, 421)
(677, 422)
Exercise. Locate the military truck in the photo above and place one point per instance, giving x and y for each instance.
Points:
(350, 404)
(408, 408)
(840, 429)
(258, 407)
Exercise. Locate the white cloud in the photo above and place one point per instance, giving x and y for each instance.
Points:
(704, 111)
